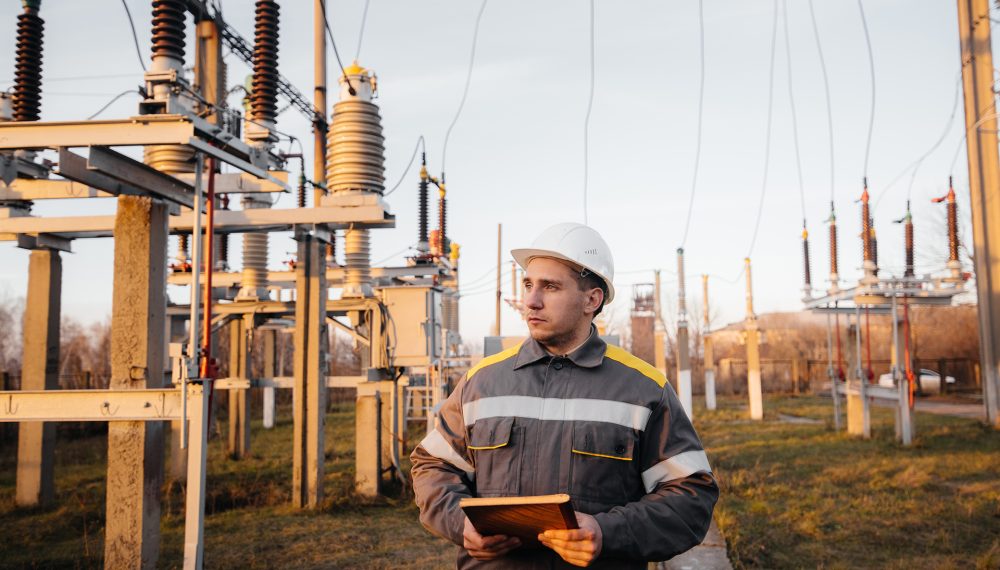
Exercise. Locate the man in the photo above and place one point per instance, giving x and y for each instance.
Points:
(566, 413)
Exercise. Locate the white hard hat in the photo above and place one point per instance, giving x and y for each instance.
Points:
(575, 243)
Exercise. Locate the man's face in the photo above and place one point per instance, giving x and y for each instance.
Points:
(555, 305)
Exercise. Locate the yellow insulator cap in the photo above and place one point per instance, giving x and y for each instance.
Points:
(355, 69)
(805, 234)
(441, 191)
(454, 252)
(423, 173)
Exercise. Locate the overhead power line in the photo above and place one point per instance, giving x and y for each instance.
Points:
(361, 32)
(701, 105)
(791, 103)
(419, 145)
(871, 69)
(767, 130)
(135, 38)
(826, 91)
(465, 91)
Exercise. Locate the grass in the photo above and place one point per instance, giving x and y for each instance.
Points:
(802, 496)
(793, 496)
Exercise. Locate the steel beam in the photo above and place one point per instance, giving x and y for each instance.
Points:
(49, 189)
(92, 405)
(153, 181)
(334, 275)
(136, 131)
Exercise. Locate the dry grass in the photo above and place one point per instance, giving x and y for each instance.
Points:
(801, 496)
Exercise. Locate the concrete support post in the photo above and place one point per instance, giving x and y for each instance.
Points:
(132, 531)
(754, 391)
(984, 177)
(659, 331)
(368, 442)
(40, 371)
(904, 415)
(177, 468)
(239, 419)
(709, 373)
(684, 370)
(309, 394)
(269, 372)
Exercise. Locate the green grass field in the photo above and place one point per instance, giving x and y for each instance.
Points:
(794, 496)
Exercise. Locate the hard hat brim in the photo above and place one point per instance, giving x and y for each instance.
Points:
(524, 255)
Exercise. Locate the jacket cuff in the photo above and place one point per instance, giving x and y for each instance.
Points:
(615, 534)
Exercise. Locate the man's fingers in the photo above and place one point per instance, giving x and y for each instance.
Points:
(574, 534)
(585, 546)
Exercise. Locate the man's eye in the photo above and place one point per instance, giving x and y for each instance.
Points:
(551, 287)
(527, 285)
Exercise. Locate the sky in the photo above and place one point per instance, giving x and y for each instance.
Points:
(516, 153)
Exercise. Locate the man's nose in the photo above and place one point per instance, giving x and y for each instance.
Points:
(532, 299)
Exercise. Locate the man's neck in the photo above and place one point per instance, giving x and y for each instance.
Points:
(569, 345)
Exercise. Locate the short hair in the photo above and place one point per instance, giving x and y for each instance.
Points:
(587, 280)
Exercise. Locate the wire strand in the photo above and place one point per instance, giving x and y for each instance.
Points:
(767, 139)
(586, 120)
(826, 90)
(420, 143)
(135, 38)
(361, 33)
(871, 70)
(465, 91)
(333, 43)
(111, 102)
(791, 104)
(701, 106)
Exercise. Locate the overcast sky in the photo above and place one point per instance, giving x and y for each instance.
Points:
(516, 154)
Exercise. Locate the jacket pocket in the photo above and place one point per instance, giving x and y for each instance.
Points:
(603, 465)
(496, 447)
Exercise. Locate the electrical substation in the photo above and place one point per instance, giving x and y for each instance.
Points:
(211, 172)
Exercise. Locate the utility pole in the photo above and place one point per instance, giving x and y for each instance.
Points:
(753, 353)
(683, 356)
(496, 326)
(659, 330)
(984, 178)
(709, 357)
(319, 99)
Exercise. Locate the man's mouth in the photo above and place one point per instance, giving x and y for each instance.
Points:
(535, 320)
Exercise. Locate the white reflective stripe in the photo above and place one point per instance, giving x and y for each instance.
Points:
(677, 467)
(436, 445)
(557, 409)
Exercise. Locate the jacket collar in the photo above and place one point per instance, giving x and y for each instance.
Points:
(589, 355)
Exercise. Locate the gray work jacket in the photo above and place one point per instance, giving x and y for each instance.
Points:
(598, 424)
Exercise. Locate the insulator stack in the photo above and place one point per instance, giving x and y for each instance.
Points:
(223, 263)
(834, 258)
(168, 30)
(422, 198)
(874, 246)
(302, 190)
(357, 261)
(28, 66)
(805, 259)
(331, 250)
(172, 159)
(908, 233)
(264, 88)
(255, 250)
(355, 147)
(866, 228)
(442, 220)
(182, 249)
(681, 293)
(952, 226)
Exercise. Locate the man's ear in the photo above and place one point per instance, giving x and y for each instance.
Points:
(594, 299)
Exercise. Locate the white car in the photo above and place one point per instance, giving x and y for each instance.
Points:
(928, 383)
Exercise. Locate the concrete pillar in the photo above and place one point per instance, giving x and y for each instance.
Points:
(684, 369)
(309, 393)
(709, 373)
(177, 469)
(135, 473)
(856, 404)
(239, 420)
(269, 372)
(40, 371)
(368, 441)
(754, 392)
(904, 415)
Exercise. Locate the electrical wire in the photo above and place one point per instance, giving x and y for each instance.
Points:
(791, 103)
(701, 104)
(135, 38)
(333, 43)
(420, 144)
(586, 120)
(871, 69)
(767, 139)
(361, 32)
(826, 90)
(112, 101)
(465, 91)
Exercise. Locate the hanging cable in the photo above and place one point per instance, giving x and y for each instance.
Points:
(361, 32)
(419, 145)
(701, 105)
(336, 54)
(586, 120)
(465, 91)
(112, 101)
(871, 69)
(795, 122)
(135, 38)
(767, 138)
(826, 91)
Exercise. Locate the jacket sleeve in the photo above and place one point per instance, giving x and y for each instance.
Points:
(681, 491)
(443, 471)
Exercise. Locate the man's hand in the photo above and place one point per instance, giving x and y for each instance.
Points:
(487, 547)
(579, 547)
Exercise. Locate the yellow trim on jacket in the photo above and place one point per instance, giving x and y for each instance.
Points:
(634, 362)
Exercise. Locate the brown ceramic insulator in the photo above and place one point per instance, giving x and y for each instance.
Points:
(952, 230)
(442, 223)
(182, 246)
(302, 192)
(223, 249)
(833, 249)
(805, 260)
(27, 97)
(168, 29)
(908, 232)
(866, 231)
(873, 241)
(422, 199)
(264, 87)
